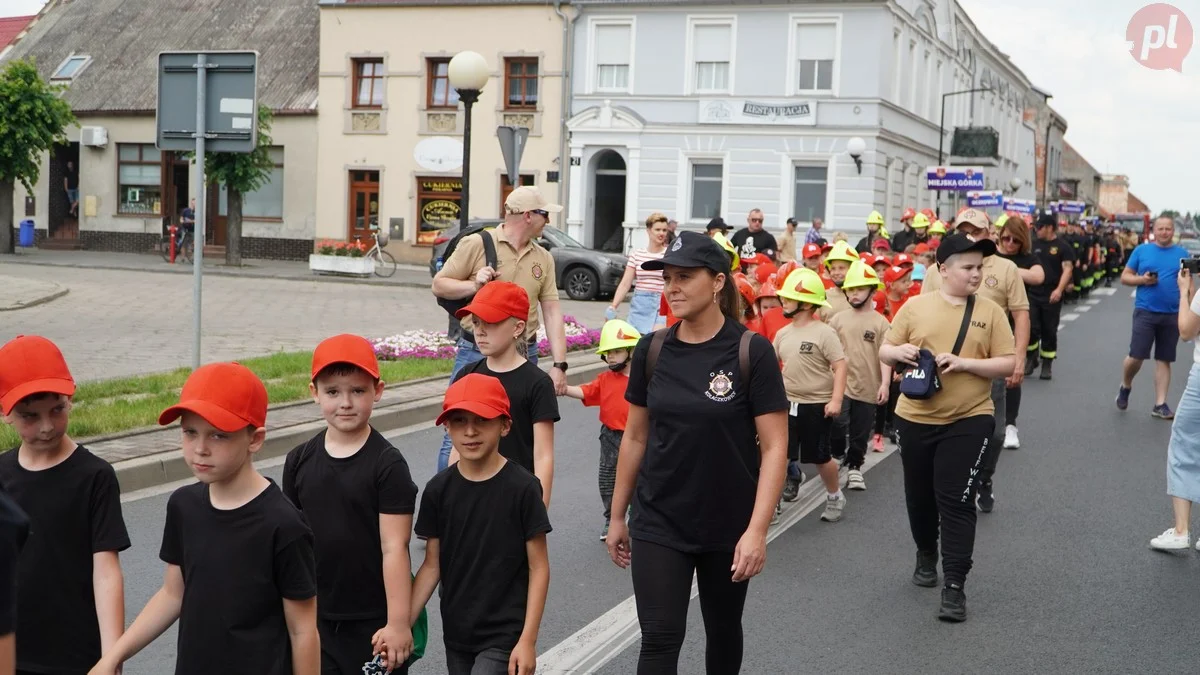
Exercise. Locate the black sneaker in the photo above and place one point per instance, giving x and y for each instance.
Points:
(1031, 362)
(1047, 370)
(926, 572)
(791, 489)
(985, 499)
(954, 605)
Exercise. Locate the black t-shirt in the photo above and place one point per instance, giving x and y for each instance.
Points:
(74, 511)
(482, 528)
(72, 176)
(699, 476)
(1025, 261)
(531, 399)
(14, 529)
(237, 566)
(1053, 254)
(748, 243)
(341, 498)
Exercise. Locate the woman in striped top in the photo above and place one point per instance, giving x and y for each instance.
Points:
(647, 284)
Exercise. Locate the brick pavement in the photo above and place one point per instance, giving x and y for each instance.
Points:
(118, 323)
(20, 293)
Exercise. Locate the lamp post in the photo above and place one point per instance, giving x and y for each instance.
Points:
(942, 130)
(468, 73)
(855, 147)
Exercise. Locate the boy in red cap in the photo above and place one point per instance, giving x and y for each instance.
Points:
(240, 575)
(485, 530)
(898, 280)
(70, 597)
(811, 257)
(357, 494)
(499, 312)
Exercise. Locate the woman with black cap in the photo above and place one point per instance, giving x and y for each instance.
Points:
(705, 446)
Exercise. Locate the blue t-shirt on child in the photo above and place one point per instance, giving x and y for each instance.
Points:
(1162, 297)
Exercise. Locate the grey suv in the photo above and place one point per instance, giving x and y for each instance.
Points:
(583, 274)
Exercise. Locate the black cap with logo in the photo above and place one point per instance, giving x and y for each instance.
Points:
(1047, 218)
(692, 249)
(717, 223)
(961, 243)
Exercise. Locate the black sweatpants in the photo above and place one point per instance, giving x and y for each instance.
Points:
(662, 587)
(606, 476)
(885, 415)
(941, 463)
(1043, 328)
(860, 420)
(1012, 406)
(346, 645)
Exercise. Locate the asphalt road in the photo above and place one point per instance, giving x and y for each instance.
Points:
(1064, 581)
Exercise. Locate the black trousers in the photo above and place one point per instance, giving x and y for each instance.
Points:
(606, 476)
(941, 465)
(662, 587)
(860, 420)
(346, 645)
(885, 415)
(1043, 328)
(1012, 405)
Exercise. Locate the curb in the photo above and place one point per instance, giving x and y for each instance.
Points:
(62, 290)
(168, 467)
(217, 271)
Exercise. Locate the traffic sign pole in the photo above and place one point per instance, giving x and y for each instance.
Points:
(201, 236)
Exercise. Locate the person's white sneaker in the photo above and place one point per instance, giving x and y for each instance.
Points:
(854, 480)
(1011, 441)
(1171, 541)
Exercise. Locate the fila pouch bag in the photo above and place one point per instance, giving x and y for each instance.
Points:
(921, 382)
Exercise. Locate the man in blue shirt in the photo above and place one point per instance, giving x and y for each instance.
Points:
(1153, 268)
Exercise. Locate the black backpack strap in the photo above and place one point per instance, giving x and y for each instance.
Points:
(489, 249)
(656, 344)
(744, 356)
(966, 323)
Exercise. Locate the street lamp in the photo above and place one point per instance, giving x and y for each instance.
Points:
(468, 72)
(855, 147)
(1015, 184)
(942, 128)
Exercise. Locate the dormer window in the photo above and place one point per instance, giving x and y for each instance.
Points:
(71, 67)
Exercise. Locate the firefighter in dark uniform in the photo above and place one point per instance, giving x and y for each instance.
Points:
(1114, 255)
(1074, 238)
(1057, 257)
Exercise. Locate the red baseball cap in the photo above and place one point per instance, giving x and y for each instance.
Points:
(345, 348)
(922, 248)
(497, 301)
(881, 260)
(895, 273)
(476, 393)
(756, 259)
(31, 364)
(810, 251)
(882, 243)
(228, 396)
(902, 259)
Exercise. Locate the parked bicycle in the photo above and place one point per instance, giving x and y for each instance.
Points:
(183, 246)
(385, 264)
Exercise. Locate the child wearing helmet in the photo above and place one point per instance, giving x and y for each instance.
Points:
(876, 232)
(607, 390)
(838, 262)
(814, 375)
(868, 381)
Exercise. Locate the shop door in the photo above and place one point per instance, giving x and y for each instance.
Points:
(364, 204)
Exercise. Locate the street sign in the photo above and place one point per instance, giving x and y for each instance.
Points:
(954, 178)
(512, 146)
(1026, 206)
(981, 199)
(230, 101)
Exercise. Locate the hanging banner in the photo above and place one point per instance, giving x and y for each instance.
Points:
(1072, 207)
(954, 178)
(1026, 206)
(981, 199)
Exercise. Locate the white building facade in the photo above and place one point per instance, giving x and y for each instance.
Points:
(715, 109)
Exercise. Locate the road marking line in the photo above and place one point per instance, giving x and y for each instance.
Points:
(1094, 301)
(1069, 317)
(1083, 308)
(616, 630)
(1105, 291)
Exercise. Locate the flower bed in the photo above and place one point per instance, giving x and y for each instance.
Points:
(431, 344)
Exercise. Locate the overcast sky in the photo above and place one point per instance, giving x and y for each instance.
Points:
(1121, 116)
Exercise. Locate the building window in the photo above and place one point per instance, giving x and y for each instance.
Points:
(440, 93)
(520, 83)
(712, 51)
(71, 67)
(706, 190)
(368, 83)
(613, 47)
(267, 201)
(816, 49)
(506, 188)
(809, 194)
(139, 179)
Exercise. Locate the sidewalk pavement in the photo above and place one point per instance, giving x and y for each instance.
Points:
(18, 293)
(150, 457)
(412, 276)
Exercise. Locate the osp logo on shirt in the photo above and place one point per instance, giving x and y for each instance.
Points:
(720, 388)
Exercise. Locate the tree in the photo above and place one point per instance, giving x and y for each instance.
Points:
(33, 119)
(241, 173)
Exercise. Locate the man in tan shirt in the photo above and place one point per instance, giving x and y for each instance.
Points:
(787, 243)
(1001, 284)
(943, 439)
(521, 260)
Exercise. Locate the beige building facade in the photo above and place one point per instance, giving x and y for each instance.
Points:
(391, 126)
